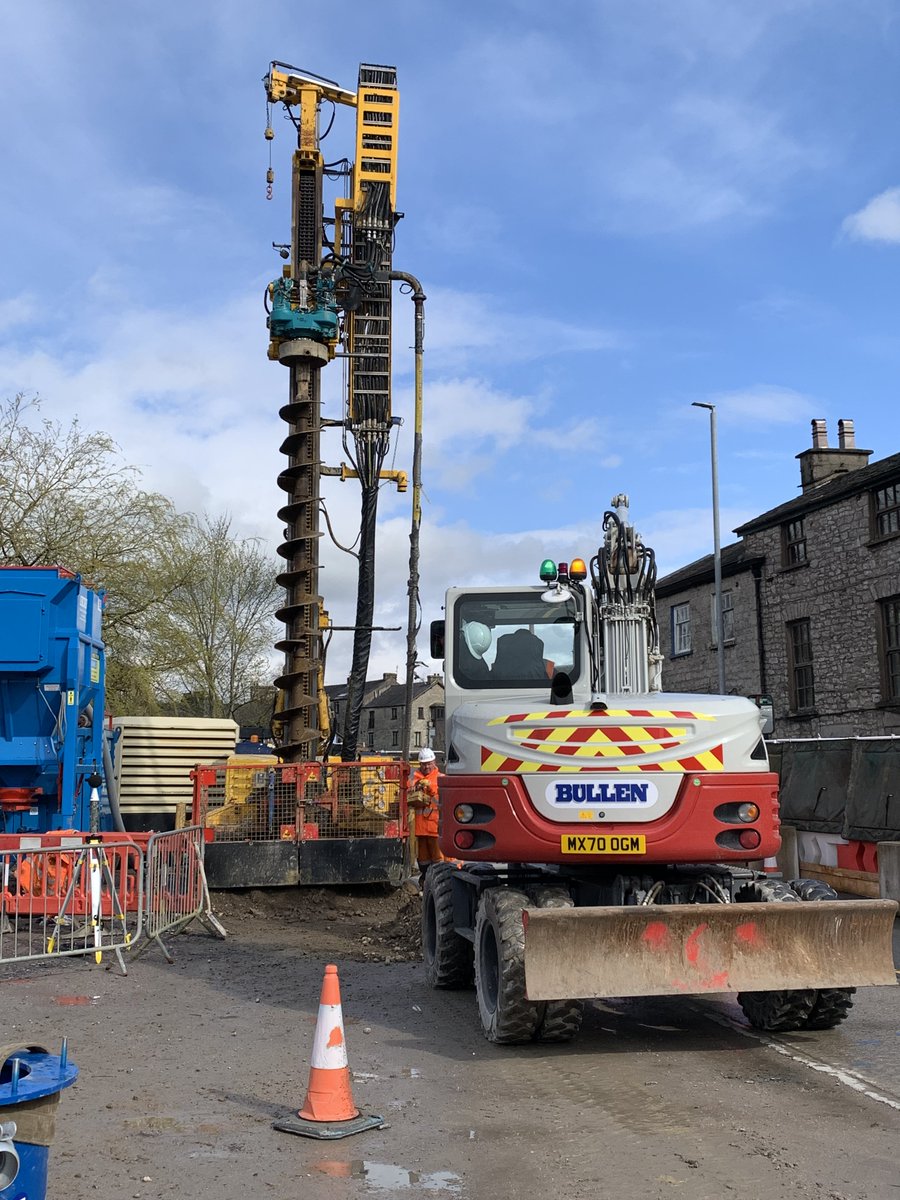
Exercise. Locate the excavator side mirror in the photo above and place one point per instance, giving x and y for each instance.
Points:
(437, 639)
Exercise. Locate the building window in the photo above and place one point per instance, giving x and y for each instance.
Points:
(395, 737)
(886, 510)
(370, 741)
(393, 714)
(793, 543)
(418, 741)
(437, 712)
(421, 713)
(681, 629)
(371, 718)
(801, 665)
(727, 617)
(890, 643)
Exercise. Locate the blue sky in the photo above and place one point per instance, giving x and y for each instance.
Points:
(616, 209)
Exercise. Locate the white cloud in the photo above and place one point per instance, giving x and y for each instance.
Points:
(701, 159)
(203, 427)
(877, 221)
(17, 310)
(764, 403)
(576, 437)
(463, 328)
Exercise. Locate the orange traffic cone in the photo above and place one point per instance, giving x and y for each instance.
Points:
(328, 1110)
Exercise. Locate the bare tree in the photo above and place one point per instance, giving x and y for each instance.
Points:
(189, 616)
(219, 622)
(67, 499)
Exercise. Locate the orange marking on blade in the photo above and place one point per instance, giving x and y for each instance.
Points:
(716, 983)
(336, 1037)
(692, 945)
(749, 933)
(657, 936)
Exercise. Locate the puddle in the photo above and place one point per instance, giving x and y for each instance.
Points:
(389, 1178)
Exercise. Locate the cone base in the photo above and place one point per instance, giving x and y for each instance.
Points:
(329, 1131)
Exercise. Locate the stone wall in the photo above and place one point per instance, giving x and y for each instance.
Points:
(837, 590)
(698, 670)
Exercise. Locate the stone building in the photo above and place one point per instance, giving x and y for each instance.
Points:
(384, 714)
(811, 601)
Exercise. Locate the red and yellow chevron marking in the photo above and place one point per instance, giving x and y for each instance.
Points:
(610, 741)
(598, 744)
(558, 714)
(708, 760)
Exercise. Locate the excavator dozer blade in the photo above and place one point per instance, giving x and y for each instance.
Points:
(664, 950)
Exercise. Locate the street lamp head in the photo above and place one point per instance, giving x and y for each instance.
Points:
(703, 404)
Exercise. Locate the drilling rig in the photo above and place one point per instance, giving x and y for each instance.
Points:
(310, 819)
(333, 299)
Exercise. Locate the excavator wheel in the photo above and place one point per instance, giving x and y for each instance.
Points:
(449, 958)
(832, 1004)
(776, 1011)
(506, 1015)
(561, 1019)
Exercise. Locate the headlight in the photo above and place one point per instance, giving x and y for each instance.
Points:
(748, 812)
(464, 813)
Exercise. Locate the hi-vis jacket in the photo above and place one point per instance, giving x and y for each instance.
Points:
(426, 784)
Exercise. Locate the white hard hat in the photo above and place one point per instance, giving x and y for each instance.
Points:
(426, 754)
(477, 637)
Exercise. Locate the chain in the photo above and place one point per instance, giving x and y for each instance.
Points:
(269, 136)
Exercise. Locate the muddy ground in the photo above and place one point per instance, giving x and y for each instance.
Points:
(365, 924)
(185, 1067)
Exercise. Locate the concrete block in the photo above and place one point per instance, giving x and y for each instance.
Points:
(889, 870)
(788, 857)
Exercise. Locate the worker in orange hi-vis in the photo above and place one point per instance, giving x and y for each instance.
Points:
(423, 800)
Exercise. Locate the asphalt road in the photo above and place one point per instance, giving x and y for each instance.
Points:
(184, 1068)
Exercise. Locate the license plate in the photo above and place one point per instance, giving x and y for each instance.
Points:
(587, 843)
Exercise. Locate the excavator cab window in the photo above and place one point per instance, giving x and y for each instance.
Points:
(513, 640)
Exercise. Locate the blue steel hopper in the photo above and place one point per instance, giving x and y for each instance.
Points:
(52, 688)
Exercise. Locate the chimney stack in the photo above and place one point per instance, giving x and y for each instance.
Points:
(822, 463)
(846, 435)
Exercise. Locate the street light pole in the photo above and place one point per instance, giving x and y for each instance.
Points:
(717, 548)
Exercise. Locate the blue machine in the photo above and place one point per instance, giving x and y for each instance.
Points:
(293, 317)
(52, 688)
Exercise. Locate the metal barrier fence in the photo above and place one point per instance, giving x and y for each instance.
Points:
(175, 889)
(75, 896)
(302, 802)
(67, 894)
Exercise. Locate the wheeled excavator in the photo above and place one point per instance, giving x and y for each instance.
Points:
(605, 833)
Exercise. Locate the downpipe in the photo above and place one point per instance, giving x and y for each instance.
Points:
(418, 299)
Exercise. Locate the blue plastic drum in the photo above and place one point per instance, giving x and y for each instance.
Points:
(28, 1075)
